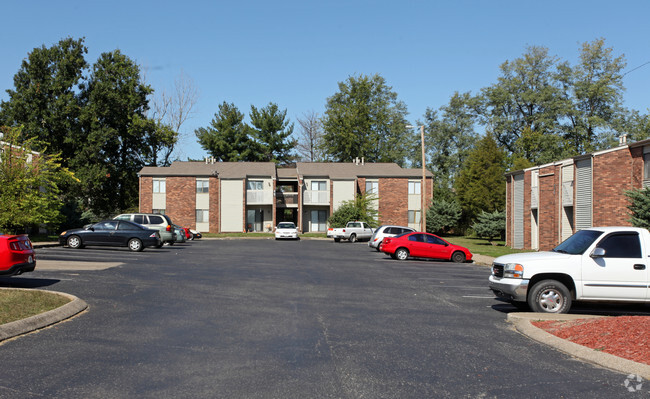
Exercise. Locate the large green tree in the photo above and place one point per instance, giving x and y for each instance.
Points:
(227, 138)
(30, 184)
(365, 119)
(45, 100)
(481, 183)
(272, 131)
(110, 153)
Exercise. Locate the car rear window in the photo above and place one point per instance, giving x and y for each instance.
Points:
(154, 219)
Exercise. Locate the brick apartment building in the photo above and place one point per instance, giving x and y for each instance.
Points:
(546, 204)
(255, 196)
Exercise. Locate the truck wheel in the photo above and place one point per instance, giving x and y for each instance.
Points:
(353, 238)
(549, 296)
(402, 254)
(458, 257)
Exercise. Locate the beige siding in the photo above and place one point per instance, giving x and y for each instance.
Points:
(343, 190)
(159, 201)
(232, 205)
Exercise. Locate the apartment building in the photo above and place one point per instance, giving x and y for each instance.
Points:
(255, 196)
(545, 204)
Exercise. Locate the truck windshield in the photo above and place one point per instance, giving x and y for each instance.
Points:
(578, 243)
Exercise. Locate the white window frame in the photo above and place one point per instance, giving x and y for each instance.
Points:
(414, 216)
(202, 186)
(202, 216)
(159, 186)
(372, 187)
(415, 187)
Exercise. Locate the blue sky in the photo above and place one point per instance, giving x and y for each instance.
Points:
(294, 53)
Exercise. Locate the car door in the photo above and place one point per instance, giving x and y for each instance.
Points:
(620, 273)
(436, 248)
(125, 231)
(102, 234)
(416, 245)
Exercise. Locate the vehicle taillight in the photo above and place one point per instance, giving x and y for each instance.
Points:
(169, 227)
(14, 245)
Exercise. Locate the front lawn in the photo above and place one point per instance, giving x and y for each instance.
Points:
(483, 246)
(20, 304)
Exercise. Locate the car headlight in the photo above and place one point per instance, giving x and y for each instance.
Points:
(513, 270)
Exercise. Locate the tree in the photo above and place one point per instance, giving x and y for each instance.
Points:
(272, 132)
(595, 89)
(450, 137)
(443, 215)
(45, 99)
(227, 139)
(108, 158)
(310, 141)
(490, 225)
(639, 207)
(481, 184)
(30, 183)
(365, 119)
(170, 112)
(361, 208)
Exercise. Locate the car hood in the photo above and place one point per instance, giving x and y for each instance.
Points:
(531, 257)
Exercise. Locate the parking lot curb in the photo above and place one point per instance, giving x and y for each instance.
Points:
(523, 324)
(39, 321)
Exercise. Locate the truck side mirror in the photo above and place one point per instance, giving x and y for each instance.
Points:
(598, 253)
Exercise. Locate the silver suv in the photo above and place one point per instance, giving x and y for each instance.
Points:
(156, 221)
(386, 231)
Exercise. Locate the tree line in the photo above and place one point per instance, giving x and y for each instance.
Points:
(105, 124)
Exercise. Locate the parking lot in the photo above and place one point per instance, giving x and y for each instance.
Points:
(281, 319)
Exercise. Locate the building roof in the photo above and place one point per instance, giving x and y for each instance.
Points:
(241, 170)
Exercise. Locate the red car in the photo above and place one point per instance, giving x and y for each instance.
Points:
(423, 245)
(16, 255)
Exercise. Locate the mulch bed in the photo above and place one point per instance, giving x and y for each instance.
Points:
(623, 336)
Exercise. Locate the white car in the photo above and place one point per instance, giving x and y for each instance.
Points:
(386, 231)
(286, 230)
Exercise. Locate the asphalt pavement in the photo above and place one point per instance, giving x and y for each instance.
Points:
(315, 272)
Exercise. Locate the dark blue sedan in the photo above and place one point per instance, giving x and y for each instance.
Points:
(116, 233)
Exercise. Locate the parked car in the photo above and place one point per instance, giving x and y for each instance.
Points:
(353, 231)
(157, 221)
(180, 233)
(16, 255)
(195, 234)
(117, 233)
(424, 245)
(286, 230)
(599, 264)
(386, 231)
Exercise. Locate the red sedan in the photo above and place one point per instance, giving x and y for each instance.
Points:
(423, 245)
(16, 255)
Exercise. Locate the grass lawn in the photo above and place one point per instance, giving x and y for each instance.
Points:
(20, 304)
(482, 246)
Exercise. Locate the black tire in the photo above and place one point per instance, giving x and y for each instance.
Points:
(393, 256)
(160, 245)
(458, 257)
(74, 242)
(353, 238)
(549, 296)
(135, 245)
(377, 247)
(402, 254)
(337, 240)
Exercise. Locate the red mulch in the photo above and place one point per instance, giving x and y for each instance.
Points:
(623, 336)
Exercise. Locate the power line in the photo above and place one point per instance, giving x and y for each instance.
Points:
(634, 69)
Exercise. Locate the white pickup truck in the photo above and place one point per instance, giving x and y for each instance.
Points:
(597, 264)
(352, 231)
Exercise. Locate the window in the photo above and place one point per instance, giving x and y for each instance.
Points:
(202, 186)
(319, 185)
(416, 237)
(125, 226)
(109, 225)
(414, 187)
(159, 186)
(158, 211)
(254, 185)
(202, 216)
(414, 216)
(372, 187)
(621, 246)
(140, 219)
(156, 219)
(434, 240)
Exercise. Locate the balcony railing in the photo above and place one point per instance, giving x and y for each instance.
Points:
(286, 199)
(316, 198)
(259, 197)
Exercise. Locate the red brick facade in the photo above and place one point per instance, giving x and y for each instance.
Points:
(146, 194)
(612, 173)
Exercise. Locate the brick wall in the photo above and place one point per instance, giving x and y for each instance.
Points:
(181, 200)
(613, 174)
(549, 184)
(215, 207)
(146, 194)
(393, 201)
